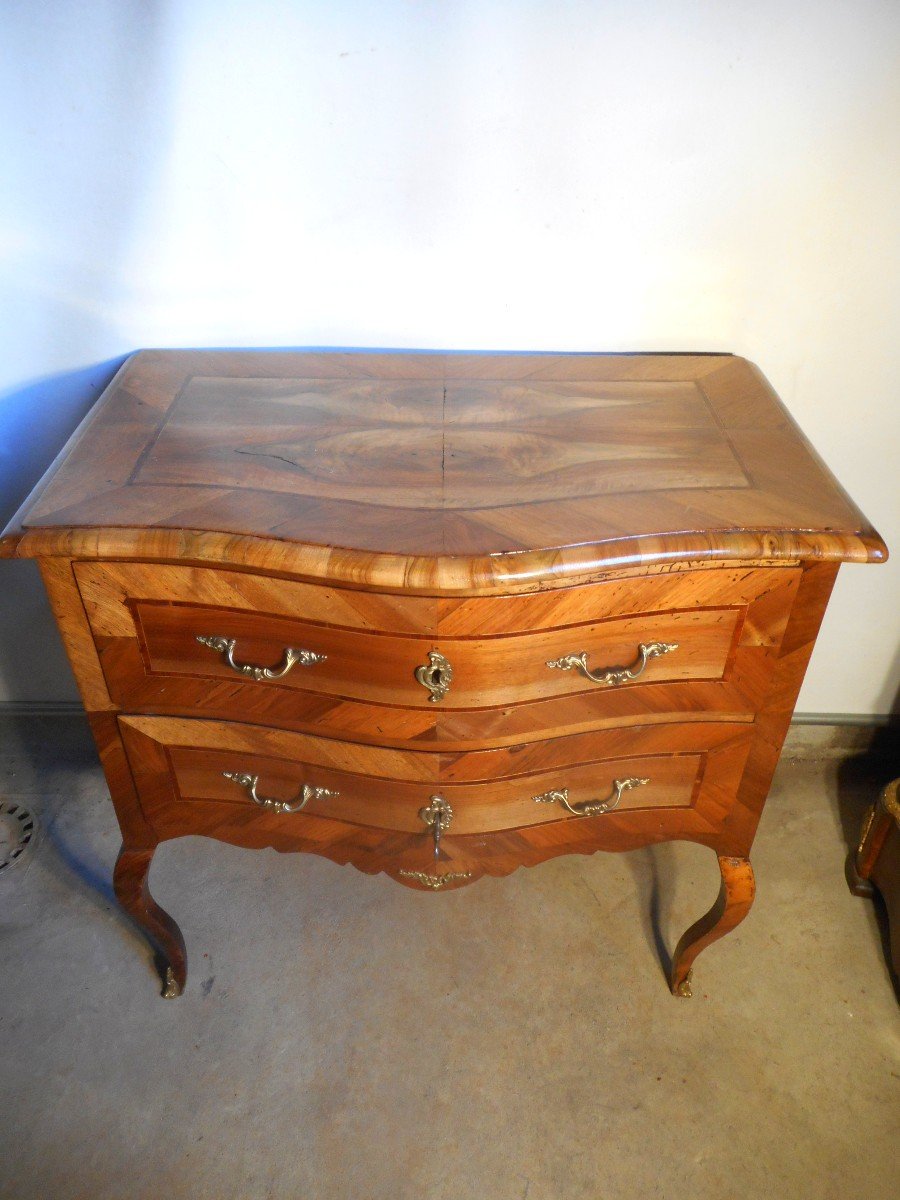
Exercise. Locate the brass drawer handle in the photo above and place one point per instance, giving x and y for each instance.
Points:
(437, 814)
(615, 675)
(436, 675)
(223, 645)
(590, 807)
(307, 793)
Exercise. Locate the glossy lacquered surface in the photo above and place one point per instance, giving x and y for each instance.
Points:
(396, 609)
(724, 626)
(693, 771)
(423, 471)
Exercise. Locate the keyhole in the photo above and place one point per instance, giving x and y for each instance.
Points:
(435, 675)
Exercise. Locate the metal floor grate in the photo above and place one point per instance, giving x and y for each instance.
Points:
(17, 832)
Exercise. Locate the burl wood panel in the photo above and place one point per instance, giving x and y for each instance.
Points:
(426, 446)
(727, 625)
(441, 472)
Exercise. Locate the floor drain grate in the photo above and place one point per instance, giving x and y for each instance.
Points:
(17, 832)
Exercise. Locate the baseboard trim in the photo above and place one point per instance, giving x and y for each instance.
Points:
(41, 708)
(837, 736)
(869, 720)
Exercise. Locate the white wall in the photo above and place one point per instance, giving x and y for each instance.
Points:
(570, 176)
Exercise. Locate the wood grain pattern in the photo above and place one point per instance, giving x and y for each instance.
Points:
(132, 891)
(108, 588)
(442, 472)
(374, 823)
(727, 625)
(65, 602)
(527, 571)
(732, 905)
(385, 790)
(487, 671)
(777, 706)
(503, 510)
(439, 445)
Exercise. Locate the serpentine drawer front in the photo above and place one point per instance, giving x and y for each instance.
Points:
(439, 616)
(183, 640)
(258, 783)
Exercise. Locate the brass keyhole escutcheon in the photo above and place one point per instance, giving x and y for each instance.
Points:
(437, 814)
(436, 675)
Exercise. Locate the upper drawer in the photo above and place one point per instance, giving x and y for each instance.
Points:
(176, 638)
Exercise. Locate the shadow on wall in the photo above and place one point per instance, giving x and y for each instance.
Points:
(89, 94)
(36, 420)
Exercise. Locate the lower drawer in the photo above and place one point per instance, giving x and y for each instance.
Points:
(259, 786)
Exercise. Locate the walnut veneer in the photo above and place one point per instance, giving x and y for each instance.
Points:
(438, 615)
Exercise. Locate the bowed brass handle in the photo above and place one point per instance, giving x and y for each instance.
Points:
(306, 793)
(225, 646)
(436, 675)
(590, 807)
(437, 814)
(615, 675)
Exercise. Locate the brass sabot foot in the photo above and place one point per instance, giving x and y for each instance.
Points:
(683, 989)
(172, 988)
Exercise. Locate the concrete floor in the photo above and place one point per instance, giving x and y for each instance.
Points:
(344, 1037)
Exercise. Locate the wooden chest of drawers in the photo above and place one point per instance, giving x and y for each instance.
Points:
(439, 615)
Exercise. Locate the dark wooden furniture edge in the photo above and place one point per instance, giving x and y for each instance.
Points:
(875, 864)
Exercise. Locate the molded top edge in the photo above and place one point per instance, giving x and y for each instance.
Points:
(510, 572)
(440, 470)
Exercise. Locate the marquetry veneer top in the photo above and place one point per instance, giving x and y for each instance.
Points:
(423, 467)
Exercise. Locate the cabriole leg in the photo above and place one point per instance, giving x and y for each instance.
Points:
(130, 883)
(735, 897)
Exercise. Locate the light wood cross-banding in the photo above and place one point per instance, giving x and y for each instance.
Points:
(564, 602)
